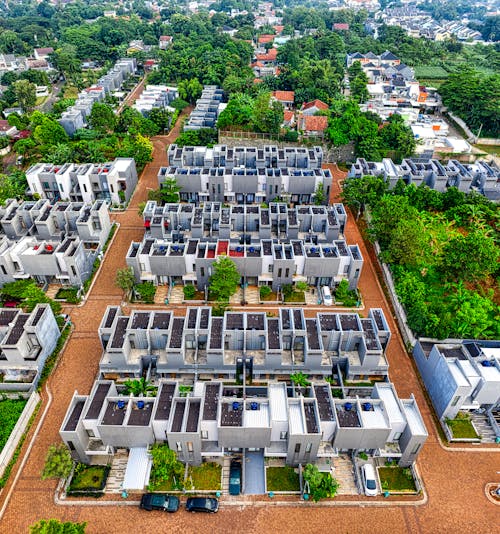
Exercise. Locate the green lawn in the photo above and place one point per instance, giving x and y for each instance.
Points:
(296, 296)
(272, 297)
(282, 479)
(70, 294)
(168, 485)
(461, 427)
(10, 410)
(489, 149)
(396, 479)
(91, 477)
(206, 476)
(430, 72)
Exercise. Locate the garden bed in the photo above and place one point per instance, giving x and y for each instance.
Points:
(296, 296)
(68, 294)
(10, 411)
(206, 476)
(88, 480)
(198, 295)
(461, 427)
(271, 297)
(282, 479)
(395, 479)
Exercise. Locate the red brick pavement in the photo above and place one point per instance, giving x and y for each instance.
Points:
(454, 481)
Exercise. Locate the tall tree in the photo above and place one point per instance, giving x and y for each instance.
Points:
(25, 92)
(102, 117)
(58, 463)
(225, 278)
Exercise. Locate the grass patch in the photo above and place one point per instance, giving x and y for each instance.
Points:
(271, 297)
(10, 410)
(430, 72)
(197, 295)
(296, 296)
(10, 465)
(206, 476)
(282, 479)
(489, 149)
(69, 294)
(89, 478)
(396, 479)
(51, 360)
(461, 427)
(167, 485)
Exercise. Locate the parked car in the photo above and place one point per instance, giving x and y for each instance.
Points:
(202, 504)
(235, 478)
(327, 296)
(159, 501)
(368, 478)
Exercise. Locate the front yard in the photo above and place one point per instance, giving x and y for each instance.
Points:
(89, 480)
(395, 479)
(461, 427)
(206, 476)
(282, 479)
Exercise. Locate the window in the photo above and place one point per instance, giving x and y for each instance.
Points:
(202, 271)
(73, 270)
(283, 435)
(204, 434)
(46, 185)
(111, 187)
(178, 446)
(4, 271)
(190, 446)
(91, 433)
(287, 272)
(279, 272)
(455, 400)
(308, 447)
(297, 448)
(218, 189)
(270, 268)
(397, 435)
(275, 189)
(71, 446)
(84, 188)
(416, 449)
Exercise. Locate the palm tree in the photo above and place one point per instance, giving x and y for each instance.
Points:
(300, 380)
(139, 387)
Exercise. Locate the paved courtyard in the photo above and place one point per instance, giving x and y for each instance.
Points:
(454, 481)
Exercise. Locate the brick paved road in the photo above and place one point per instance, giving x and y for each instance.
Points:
(454, 481)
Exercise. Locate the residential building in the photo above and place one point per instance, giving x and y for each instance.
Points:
(216, 419)
(113, 182)
(26, 340)
(286, 98)
(51, 243)
(165, 41)
(461, 375)
(76, 116)
(270, 246)
(312, 125)
(313, 107)
(43, 53)
(479, 176)
(207, 109)
(6, 130)
(156, 97)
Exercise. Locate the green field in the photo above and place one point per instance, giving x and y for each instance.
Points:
(430, 72)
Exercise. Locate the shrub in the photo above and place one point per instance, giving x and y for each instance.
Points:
(264, 291)
(189, 292)
(145, 292)
(58, 463)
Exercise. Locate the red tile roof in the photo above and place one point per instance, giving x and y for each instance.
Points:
(266, 39)
(279, 29)
(314, 123)
(341, 26)
(314, 103)
(166, 38)
(44, 51)
(284, 96)
(271, 55)
(288, 115)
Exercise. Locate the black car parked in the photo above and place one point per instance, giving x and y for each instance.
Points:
(159, 501)
(202, 504)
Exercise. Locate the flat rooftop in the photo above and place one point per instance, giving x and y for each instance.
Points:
(74, 417)
(97, 401)
(165, 402)
(140, 416)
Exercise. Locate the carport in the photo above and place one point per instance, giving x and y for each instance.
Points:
(138, 469)
(254, 476)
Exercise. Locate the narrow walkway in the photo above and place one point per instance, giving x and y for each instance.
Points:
(255, 482)
(116, 475)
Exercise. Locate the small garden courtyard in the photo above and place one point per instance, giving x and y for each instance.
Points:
(282, 479)
(205, 477)
(395, 479)
(461, 427)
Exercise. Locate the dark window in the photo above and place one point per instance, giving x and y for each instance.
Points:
(202, 271)
(71, 446)
(73, 270)
(279, 272)
(287, 272)
(297, 448)
(4, 271)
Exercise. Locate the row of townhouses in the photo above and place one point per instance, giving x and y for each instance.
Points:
(479, 176)
(113, 182)
(207, 109)
(247, 175)
(76, 116)
(159, 344)
(51, 243)
(156, 97)
(26, 340)
(461, 375)
(216, 418)
(16, 63)
(271, 246)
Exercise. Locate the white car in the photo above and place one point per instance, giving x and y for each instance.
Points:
(327, 296)
(369, 482)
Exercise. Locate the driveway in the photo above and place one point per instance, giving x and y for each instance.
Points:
(255, 481)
